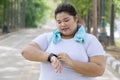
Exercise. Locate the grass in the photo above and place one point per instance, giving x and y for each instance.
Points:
(117, 41)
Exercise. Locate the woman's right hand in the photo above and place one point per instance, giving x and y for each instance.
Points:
(56, 64)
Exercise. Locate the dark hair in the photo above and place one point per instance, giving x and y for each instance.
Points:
(65, 7)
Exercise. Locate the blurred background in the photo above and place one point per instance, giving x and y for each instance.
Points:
(23, 20)
(100, 17)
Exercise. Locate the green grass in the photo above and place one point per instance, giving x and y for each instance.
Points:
(117, 42)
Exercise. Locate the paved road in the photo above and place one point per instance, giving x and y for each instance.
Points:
(14, 67)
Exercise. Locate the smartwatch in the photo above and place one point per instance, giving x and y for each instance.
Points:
(50, 56)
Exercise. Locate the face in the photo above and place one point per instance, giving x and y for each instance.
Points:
(67, 24)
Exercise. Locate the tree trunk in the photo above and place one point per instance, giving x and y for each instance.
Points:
(18, 14)
(3, 15)
(94, 16)
(99, 11)
(88, 22)
(22, 13)
(15, 14)
(112, 42)
(11, 14)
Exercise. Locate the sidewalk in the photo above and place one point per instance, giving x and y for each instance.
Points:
(14, 67)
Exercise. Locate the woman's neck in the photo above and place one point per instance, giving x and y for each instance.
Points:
(67, 36)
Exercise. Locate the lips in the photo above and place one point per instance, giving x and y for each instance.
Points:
(65, 29)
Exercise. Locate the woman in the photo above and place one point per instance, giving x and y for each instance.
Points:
(67, 53)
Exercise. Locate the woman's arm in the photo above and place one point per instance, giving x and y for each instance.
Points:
(33, 52)
(95, 67)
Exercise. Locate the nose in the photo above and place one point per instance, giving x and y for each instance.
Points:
(62, 24)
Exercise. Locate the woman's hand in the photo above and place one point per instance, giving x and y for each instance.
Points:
(56, 64)
(65, 58)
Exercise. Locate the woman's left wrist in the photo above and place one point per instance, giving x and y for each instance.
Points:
(50, 56)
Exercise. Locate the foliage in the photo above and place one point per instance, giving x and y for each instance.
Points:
(117, 8)
(52, 4)
(81, 6)
(6, 7)
(38, 11)
(108, 8)
(1, 15)
(35, 12)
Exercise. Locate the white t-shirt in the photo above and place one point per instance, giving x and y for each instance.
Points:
(75, 50)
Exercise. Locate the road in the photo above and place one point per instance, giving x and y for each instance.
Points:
(14, 67)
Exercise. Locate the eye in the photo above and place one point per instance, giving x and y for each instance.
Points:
(66, 20)
(58, 22)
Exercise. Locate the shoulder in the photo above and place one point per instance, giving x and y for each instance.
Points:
(90, 37)
(47, 34)
(93, 46)
(43, 37)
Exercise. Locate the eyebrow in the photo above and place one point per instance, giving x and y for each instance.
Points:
(64, 18)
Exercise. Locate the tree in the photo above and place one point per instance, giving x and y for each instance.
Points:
(35, 12)
(5, 27)
(112, 42)
(17, 13)
(22, 14)
(94, 17)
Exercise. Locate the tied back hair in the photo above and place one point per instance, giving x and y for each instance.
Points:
(65, 7)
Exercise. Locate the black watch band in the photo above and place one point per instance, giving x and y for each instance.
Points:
(50, 55)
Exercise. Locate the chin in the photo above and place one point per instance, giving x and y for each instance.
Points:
(65, 33)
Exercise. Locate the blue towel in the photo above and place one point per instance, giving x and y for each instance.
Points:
(56, 36)
(80, 35)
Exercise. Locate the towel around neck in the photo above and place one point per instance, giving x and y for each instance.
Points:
(79, 36)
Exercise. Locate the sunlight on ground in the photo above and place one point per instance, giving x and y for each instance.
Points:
(117, 41)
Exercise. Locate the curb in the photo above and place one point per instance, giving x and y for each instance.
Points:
(112, 62)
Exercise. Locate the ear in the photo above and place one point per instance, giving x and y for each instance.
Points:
(77, 18)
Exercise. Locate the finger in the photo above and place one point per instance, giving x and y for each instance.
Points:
(58, 68)
(61, 58)
(60, 54)
(55, 63)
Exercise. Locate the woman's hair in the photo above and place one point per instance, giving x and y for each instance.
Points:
(65, 7)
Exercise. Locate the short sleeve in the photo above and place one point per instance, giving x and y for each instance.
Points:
(94, 47)
(43, 40)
